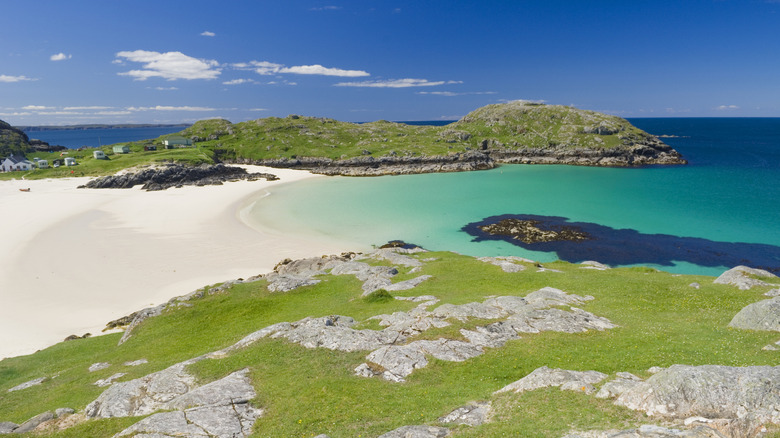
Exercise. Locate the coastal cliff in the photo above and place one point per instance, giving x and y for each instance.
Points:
(513, 133)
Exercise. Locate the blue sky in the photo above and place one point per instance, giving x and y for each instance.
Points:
(71, 62)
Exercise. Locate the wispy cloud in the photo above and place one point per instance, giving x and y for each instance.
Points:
(60, 57)
(207, 33)
(239, 82)
(164, 88)
(317, 69)
(396, 83)
(452, 93)
(326, 8)
(6, 78)
(726, 107)
(81, 108)
(37, 108)
(170, 108)
(169, 65)
(271, 68)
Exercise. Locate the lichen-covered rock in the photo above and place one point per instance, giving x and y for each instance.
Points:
(748, 394)
(473, 414)
(34, 422)
(109, 380)
(544, 377)
(622, 383)
(7, 427)
(763, 315)
(417, 432)
(98, 366)
(744, 277)
(650, 431)
(28, 384)
(142, 396)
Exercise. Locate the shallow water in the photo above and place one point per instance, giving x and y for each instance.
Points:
(729, 193)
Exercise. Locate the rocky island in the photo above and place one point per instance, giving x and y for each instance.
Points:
(515, 132)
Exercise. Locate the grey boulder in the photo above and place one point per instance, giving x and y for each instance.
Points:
(763, 315)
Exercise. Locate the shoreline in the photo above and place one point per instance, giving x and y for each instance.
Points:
(75, 259)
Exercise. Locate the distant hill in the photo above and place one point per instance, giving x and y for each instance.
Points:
(97, 126)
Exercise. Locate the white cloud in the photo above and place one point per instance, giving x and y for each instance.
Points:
(6, 78)
(78, 108)
(169, 65)
(239, 81)
(272, 68)
(170, 108)
(113, 113)
(317, 69)
(60, 57)
(726, 107)
(258, 109)
(396, 83)
(207, 33)
(37, 108)
(327, 8)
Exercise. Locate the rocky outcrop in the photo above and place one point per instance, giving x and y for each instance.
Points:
(176, 175)
(515, 315)
(417, 432)
(472, 414)
(217, 409)
(748, 396)
(744, 277)
(545, 377)
(650, 431)
(29, 384)
(289, 275)
(763, 315)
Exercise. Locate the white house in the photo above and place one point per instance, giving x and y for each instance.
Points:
(43, 164)
(70, 161)
(16, 162)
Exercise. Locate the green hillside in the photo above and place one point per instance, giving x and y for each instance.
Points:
(660, 320)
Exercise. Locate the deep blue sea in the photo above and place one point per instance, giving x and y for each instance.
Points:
(76, 138)
(720, 210)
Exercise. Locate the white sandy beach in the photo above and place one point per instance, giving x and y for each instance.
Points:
(73, 259)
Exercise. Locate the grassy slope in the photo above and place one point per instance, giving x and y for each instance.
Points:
(662, 321)
(515, 125)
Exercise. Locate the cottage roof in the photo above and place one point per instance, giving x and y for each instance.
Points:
(17, 158)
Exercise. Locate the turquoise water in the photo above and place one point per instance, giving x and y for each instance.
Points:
(729, 193)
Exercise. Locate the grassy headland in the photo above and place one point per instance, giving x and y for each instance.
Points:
(516, 132)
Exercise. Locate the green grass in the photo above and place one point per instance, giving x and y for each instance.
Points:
(662, 321)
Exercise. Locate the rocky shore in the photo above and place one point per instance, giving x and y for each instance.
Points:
(651, 153)
(176, 175)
